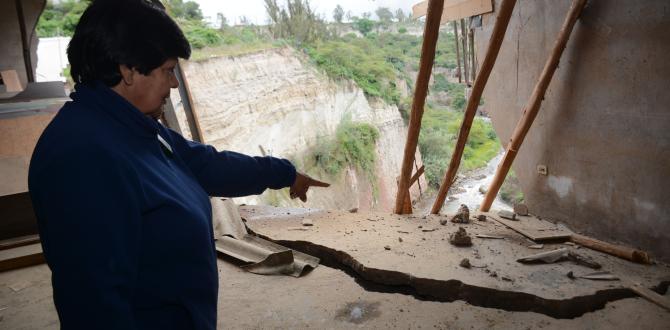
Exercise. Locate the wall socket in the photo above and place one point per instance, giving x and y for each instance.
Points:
(542, 169)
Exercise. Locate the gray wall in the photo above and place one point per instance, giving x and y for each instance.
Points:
(603, 129)
(11, 50)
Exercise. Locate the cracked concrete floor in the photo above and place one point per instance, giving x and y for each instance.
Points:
(328, 298)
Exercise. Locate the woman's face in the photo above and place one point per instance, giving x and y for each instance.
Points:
(148, 92)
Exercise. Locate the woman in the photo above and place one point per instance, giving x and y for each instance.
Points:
(122, 202)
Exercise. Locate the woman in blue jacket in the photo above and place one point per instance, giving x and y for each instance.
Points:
(121, 201)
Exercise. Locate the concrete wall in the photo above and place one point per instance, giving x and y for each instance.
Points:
(603, 130)
(11, 50)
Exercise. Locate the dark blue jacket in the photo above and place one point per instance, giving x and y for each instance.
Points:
(125, 223)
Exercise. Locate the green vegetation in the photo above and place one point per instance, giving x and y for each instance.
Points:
(353, 144)
(60, 19)
(439, 132)
(510, 191)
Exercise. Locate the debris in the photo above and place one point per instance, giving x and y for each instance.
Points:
(571, 275)
(354, 210)
(481, 217)
(298, 228)
(460, 238)
(403, 232)
(600, 276)
(387, 247)
(521, 209)
(307, 222)
(400, 239)
(558, 255)
(463, 215)
(425, 230)
(536, 246)
(493, 274)
(465, 263)
(508, 279)
(507, 215)
(488, 236)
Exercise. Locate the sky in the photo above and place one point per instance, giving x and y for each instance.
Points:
(255, 9)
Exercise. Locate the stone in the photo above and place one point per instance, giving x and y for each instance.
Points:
(507, 215)
(481, 217)
(465, 263)
(307, 222)
(521, 209)
(460, 238)
(387, 247)
(482, 190)
(400, 239)
(354, 210)
(463, 215)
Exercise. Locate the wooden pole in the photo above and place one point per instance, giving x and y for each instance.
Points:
(533, 105)
(458, 52)
(627, 253)
(430, 34)
(497, 36)
(464, 38)
(471, 43)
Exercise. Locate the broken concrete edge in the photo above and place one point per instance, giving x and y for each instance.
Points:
(426, 289)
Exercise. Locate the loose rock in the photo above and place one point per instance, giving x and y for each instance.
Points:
(481, 217)
(307, 222)
(463, 215)
(387, 247)
(507, 215)
(465, 263)
(521, 209)
(460, 238)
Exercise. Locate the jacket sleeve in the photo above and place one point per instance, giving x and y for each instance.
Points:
(231, 174)
(89, 217)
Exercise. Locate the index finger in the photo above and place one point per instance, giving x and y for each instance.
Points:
(318, 183)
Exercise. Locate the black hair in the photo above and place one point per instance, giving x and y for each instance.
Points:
(135, 33)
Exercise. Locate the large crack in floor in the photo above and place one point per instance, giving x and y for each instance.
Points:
(427, 289)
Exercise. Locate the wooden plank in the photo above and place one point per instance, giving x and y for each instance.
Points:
(430, 35)
(20, 257)
(533, 106)
(651, 296)
(11, 81)
(455, 9)
(19, 241)
(536, 229)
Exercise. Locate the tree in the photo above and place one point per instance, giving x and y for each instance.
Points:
(364, 25)
(297, 21)
(223, 21)
(188, 10)
(400, 15)
(338, 14)
(384, 14)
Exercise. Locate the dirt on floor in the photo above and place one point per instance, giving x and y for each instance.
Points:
(387, 271)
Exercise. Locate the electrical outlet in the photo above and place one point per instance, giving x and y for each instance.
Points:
(542, 169)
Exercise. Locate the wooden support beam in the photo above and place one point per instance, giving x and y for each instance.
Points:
(497, 36)
(189, 108)
(430, 34)
(533, 105)
(464, 40)
(458, 52)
